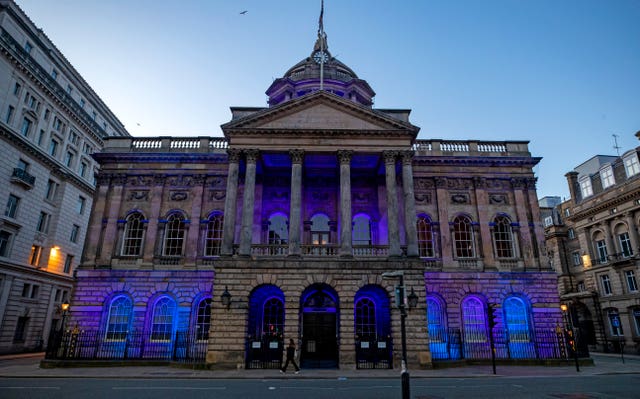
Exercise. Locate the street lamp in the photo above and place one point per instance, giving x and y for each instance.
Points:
(573, 342)
(65, 310)
(403, 315)
(225, 298)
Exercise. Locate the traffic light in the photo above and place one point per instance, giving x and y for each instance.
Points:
(491, 315)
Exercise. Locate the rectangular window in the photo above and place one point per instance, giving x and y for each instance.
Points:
(26, 127)
(631, 165)
(632, 285)
(83, 169)
(5, 242)
(585, 187)
(67, 263)
(69, 89)
(34, 256)
(57, 124)
(567, 212)
(636, 320)
(81, 204)
(82, 103)
(12, 206)
(16, 89)
(606, 175)
(28, 47)
(625, 244)
(577, 259)
(22, 165)
(75, 230)
(21, 329)
(10, 110)
(601, 247)
(94, 115)
(548, 221)
(54, 74)
(32, 102)
(53, 148)
(571, 233)
(41, 136)
(606, 285)
(43, 222)
(581, 287)
(68, 159)
(51, 190)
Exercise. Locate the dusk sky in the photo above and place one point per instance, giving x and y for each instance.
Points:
(563, 74)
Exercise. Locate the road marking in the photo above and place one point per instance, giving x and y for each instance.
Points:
(30, 387)
(173, 388)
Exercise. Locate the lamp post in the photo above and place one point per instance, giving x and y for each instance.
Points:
(413, 301)
(572, 338)
(225, 298)
(65, 310)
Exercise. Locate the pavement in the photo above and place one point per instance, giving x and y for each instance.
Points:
(28, 366)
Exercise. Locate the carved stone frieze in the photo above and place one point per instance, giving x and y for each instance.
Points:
(498, 199)
(423, 198)
(234, 155)
(138, 195)
(297, 156)
(178, 195)
(216, 181)
(407, 157)
(524, 183)
(251, 155)
(389, 157)
(217, 195)
(460, 198)
(423, 184)
(344, 156)
(119, 179)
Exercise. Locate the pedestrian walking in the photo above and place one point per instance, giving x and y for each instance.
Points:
(291, 357)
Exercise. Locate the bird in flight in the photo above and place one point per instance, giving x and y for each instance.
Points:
(243, 12)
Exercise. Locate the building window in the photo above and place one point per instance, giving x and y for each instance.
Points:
(25, 129)
(174, 235)
(635, 312)
(581, 287)
(601, 247)
(83, 169)
(606, 285)
(625, 244)
(10, 111)
(12, 206)
(632, 285)
(436, 324)
(203, 319)
(272, 316)
(631, 165)
(503, 237)
(366, 319)
(585, 187)
(43, 222)
(463, 237)
(75, 231)
(53, 148)
(319, 230)
(548, 221)
(30, 291)
(34, 256)
(571, 233)
(361, 230)
(162, 319)
(16, 89)
(57, 124)
(5, 243)
(577, 259)
(68, 159)
(426, 237)
(133, 235)
(54, 74)
(213, 237)
(69, 89)
(277, 234)
(473, 319)
(119, 318)
(41, 136)
(21, 329)
(82, 102)
(94, 115)
(82, 202)
(517, 320)
(68, 262)
(52, 186)
(28, 47)
(615, 324)
(567, 212)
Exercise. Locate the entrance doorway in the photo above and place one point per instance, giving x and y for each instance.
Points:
(319, 328)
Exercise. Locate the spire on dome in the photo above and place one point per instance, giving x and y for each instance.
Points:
(321, 42)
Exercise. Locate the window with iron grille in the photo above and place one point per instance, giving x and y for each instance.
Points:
(436, 324)
(503, 237)
(474, 321)
(162, 319)
(203, 319)
(463, 237)
(133, 235)
(272, 317)
(517, 320)
(366, 319)
(426, 237)
(213, 237)
(119, 318)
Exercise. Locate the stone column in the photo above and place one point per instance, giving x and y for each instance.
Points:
(246, 234)
(392, 203)
(112, 215)
(297, 157)
(611, 249)
(230, 204)
(94, 232)
(192, 252)
(151, 242)
(344, 158)
(633, 233)
(446, 242)
(410, 217)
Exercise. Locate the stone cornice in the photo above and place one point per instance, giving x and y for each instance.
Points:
(594, 208)
(164, 157)
(475, 160)
(316, 132)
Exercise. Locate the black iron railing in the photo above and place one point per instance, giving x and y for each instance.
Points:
(374, 353)
(264, 352)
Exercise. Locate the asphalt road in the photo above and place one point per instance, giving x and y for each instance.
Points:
(578, 387)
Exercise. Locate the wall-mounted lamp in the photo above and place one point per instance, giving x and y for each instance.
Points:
(225, 298)
(586, 260)
(64, 307)
(412, 299)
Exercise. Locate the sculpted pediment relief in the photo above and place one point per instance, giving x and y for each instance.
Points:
(320, 116)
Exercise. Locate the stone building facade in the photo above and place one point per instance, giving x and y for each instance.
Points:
(593, 243)
(51, 122)
(284, 228)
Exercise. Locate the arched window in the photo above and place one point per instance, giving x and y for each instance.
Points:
(426, 242)
(366, 319)
(133, 235)
(174, 233)
(213, 236)
(162, 319)
(473, 320)
(517, 320)
(273, 317)
(361, 230)
(436, 320)
(503, 237)
(278, 235)
(319, 229)
(463, 237)
(119, 318)
(203, 319)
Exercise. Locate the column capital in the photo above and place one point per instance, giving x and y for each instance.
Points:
(297, 156)
(251, 155)
(234, 155)
(344, 156)
(407, 157)
(389, 156)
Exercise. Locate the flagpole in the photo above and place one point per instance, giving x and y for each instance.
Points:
(321, 34)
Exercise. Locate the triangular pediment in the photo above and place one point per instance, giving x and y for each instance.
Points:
(318, 111)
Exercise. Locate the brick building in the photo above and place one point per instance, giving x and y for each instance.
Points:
(51, 122)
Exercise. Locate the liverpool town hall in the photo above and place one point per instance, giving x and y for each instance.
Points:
(301, 223)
